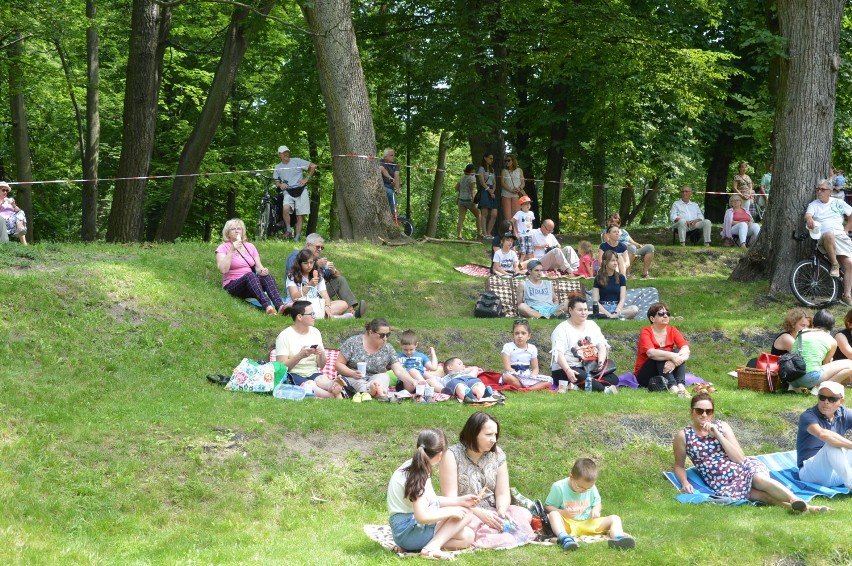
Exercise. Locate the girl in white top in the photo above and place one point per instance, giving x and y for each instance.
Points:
(420, 519)
(520, 360)
(505, 260)
(302, 278)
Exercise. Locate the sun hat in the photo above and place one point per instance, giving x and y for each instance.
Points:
(816, 231)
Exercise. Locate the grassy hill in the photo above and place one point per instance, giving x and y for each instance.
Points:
(115, 449)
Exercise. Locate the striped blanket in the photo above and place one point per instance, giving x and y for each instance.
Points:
(782, 467)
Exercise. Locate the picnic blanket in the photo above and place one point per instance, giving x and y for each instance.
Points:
(506, 289)
(629, 380)
(642, 297)
(476, 270)
(782, 467)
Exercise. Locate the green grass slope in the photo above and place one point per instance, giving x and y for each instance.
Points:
(115, 450)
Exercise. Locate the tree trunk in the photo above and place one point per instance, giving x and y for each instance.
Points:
(183, 187)
(314, 188)
(598, 171)
(552, 190)
(438, 184)
(149, 25)
(648, 202)
(20, 135)
(717, 174)
(92, 144)
(361, 203)
(804, 127)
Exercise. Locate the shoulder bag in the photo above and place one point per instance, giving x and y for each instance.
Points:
(791, 366)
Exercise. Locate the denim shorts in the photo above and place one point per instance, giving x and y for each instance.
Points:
(809, 379)
(469, 381)
(408, 533)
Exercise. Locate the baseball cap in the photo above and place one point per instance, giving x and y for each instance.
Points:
(837, 389)
(283, 148)
(532, 264)
(524, 199)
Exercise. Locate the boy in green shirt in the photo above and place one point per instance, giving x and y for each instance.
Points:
(574, 509)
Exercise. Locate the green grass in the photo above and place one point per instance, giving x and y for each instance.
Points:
(115, 450)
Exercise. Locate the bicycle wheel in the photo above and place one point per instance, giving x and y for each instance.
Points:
(262, 221)
(813, 287)
(407, 226)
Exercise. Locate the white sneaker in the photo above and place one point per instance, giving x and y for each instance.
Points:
(835, 270)
(611, 390)
(345, 315)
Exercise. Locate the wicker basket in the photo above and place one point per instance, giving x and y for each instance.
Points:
(755, 379)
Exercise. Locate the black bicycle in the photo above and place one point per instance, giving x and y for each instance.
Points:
(268, 214)
(811, 280)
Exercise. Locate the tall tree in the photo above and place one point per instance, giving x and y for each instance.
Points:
(804, 124)
(199, 141)
(149, 28)
(361, 203)
(91, 147)
(20, 131)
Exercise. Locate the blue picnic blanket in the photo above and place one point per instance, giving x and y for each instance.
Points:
(782, 467)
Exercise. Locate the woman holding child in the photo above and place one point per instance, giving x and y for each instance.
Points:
(577, 344)
(720, 461)
(477, 466)
(372, 349)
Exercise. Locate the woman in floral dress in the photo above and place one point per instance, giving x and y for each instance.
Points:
(721, 463)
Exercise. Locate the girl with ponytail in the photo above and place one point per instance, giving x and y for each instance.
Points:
(420, 519)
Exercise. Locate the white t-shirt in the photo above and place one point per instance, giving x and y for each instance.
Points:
(539, 239)
(397, 501)
(520, 359)
(506, 260)
(829, 214)
(524, 221)
(289, 342)
(291, 173)
(565, 337)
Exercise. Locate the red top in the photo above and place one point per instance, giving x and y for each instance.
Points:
(647, 341)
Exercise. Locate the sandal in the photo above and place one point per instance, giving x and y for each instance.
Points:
(436, 555)
(218, 378)
(799, 506)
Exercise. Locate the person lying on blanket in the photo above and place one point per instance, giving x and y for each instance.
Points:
(520, 360)
(461, 382)
(722, 464)
(824, 454)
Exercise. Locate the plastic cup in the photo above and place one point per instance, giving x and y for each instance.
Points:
(362, 368)
(428, 392)
(419, 389)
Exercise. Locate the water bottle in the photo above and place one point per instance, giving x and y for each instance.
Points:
(588, 384)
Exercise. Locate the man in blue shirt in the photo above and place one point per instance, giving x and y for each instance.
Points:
(824, 454)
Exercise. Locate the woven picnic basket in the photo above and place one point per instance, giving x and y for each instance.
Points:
(755, 379)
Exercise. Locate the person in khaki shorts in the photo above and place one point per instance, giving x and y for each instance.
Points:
(686, 216)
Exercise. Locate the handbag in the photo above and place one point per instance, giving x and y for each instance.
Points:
(252, 377)
(488, 305)
(791, 366)
(767, 361)
(295, 192)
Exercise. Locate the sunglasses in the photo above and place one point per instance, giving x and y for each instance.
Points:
(521, 321)
(4, 190)
(828, 398)
(320, 248)
(707, 412)
(663, 313)
(383, 335)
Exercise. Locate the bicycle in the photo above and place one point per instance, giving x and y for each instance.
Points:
(405, 221)
(267, 214)
(811, 280)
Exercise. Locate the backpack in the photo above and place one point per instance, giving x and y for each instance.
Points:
(488, 305)
(791, 366)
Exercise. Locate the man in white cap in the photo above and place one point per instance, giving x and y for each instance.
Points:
(290, 180)
(834, 240)
(824, 454)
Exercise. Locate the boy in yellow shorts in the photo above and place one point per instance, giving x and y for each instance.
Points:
(574, 509)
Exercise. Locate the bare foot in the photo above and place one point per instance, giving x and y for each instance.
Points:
(436, 555)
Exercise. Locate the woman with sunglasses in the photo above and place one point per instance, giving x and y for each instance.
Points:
(371, 348)
(722, 464)
(662, 352)
(242, 273)
(305, 282)
(16, 221)
(511, 187)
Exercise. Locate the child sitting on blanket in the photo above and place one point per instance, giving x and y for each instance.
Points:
(520, 360)
(574, 509)
(419, 519)
(461, 382)
(587, 266)
(505, 260)
(420, 366)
